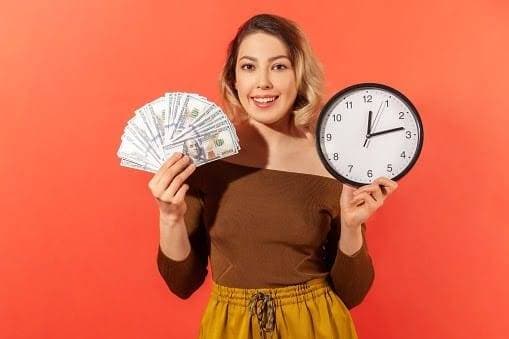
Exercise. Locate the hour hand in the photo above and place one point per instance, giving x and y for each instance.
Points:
(369, 123)
(369, 128)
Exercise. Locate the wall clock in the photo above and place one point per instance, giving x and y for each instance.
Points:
(366, 131)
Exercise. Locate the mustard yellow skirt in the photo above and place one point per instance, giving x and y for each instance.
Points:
(307, 310)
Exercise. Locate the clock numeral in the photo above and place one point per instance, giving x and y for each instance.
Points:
(349, 104)
(403, 155)
(408, 134)
(402, 115)
(328, 137)
(387, 102)
(370, 173)
(367, 98)
(336, 156)
(351, 166)
(336, 117)
(389, 168)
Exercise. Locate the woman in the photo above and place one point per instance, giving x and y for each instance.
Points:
(286, 240)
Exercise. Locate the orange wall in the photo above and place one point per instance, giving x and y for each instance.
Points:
(79, 233)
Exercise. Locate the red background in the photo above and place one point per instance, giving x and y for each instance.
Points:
(79, 233)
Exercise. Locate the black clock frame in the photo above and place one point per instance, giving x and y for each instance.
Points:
(332, 102)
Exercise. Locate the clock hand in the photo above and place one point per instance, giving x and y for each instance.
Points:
(369, 128)
(376, 120)
(369, 122)
(386, 131)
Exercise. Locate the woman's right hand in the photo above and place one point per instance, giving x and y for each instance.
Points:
(169, 189)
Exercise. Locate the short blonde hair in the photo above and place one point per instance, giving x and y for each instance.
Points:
(308, 70)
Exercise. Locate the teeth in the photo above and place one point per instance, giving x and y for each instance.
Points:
(264, 100)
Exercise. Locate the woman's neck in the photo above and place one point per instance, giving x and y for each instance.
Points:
(278, 134)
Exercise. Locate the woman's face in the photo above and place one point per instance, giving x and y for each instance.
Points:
(264, 70)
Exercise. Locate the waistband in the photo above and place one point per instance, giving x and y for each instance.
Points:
(262, 302)
(281, 295)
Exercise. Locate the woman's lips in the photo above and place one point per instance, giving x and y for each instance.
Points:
(265, 104)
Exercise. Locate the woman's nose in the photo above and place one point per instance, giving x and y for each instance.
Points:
(264, 81)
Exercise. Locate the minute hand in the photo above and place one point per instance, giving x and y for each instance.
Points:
(386, 131)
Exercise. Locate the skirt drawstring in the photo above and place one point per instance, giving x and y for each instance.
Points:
(263, 306)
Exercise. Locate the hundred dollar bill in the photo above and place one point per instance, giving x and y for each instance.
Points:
(142, 149)
(213, 112)
(199, 129)
(158, 112)
(130, 152)
(133, 136)
(205, 148)
(169, 123)
(132, 164)
(213, 127)
(135, 126)
(144, 116)
(192, 108)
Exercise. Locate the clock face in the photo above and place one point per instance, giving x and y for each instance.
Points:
(368, 131)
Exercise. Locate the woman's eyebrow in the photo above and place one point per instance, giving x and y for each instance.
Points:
(270, 59)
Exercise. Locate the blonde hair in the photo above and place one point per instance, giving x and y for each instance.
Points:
(308, 70)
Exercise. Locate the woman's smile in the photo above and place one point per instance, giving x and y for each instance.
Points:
(264, 101)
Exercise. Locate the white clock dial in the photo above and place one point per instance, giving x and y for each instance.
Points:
(356, 155)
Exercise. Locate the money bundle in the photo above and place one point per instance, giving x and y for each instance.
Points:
(177, 122)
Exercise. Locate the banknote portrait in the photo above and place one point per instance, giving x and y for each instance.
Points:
(193, 148)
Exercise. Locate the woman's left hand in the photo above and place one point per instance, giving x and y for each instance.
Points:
(357, 205)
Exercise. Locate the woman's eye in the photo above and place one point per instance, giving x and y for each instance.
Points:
(246, 66)
(280, 66)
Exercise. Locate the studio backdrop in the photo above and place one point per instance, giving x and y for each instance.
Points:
(79, 233)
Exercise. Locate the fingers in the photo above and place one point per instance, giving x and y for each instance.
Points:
(176, 175)
(171, 176)
(379, 189)
(178, 197)
(168, 163)
(374, 190)
(374, 194)
(364, 198)
(388, 184)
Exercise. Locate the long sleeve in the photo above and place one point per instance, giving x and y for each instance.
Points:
(352, 276)
(186, 276)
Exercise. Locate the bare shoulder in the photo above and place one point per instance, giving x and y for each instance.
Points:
(299, 155)
(311, 160)
(303, 157)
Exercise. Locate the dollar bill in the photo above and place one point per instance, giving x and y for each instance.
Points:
(205, 148)
(158, 114)
(134, 165)
(130, 152)
(183, 122)
(191, 109)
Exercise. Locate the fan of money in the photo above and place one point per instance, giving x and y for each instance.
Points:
(177, 122)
